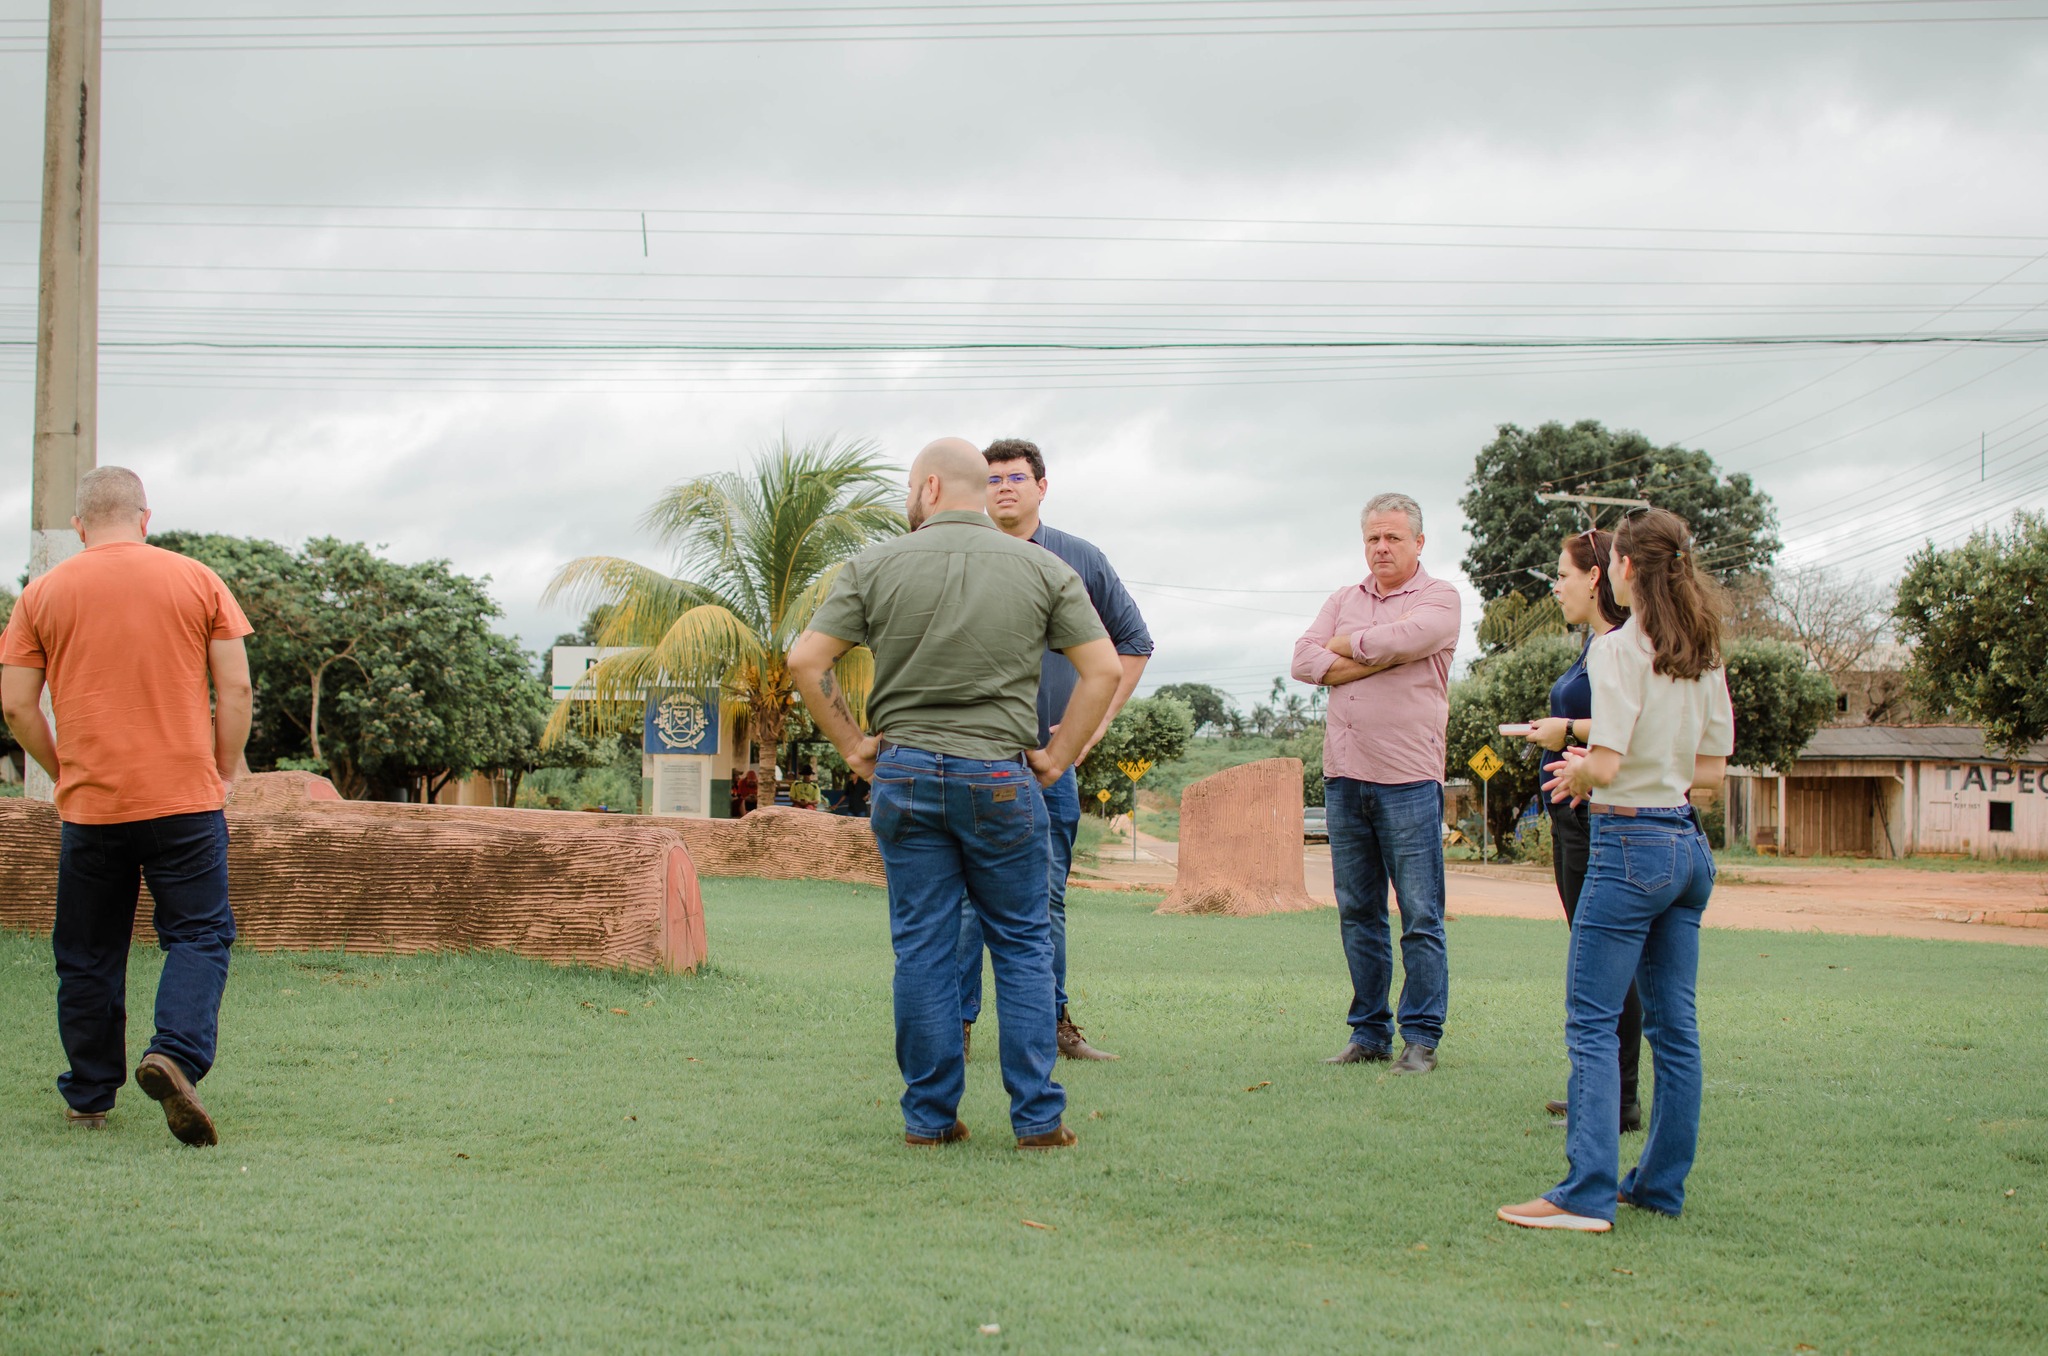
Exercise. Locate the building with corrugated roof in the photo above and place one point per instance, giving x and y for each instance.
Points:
(1895, 791)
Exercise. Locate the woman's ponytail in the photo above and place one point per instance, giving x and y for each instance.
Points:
(1676, 605)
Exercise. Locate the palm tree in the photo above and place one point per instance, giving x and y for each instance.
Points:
(755, 553)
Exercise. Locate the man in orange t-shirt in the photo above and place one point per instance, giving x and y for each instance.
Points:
(126, 637)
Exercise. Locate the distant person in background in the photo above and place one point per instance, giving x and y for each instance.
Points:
(1016, 490)
(1663, 728)
(957, 616)
(1585, 593)
(126, 637)
(1384, 649)
(746, 793)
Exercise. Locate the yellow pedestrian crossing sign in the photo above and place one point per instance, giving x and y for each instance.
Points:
(1485, 762)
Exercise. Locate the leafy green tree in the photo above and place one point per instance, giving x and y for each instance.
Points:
(1154, 728)
(1308, 747)
(755, 553)
(1733, 522)
(1503, 690)
(1780, 700)
(1211, 708)
(1977, 618)
(382, 676)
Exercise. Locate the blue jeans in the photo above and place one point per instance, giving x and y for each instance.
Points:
(944, 825)
(1647, 879)
(1063, 807)
(1381, 833)
(100, 868)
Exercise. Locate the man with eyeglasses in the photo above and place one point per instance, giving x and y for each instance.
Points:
(1016, 488)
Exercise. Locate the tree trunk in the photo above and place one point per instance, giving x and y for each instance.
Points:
(313, 726)
(767, 719)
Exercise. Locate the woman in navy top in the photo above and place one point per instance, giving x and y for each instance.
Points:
(1587, 598)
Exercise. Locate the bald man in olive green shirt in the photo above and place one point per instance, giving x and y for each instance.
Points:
(958, 615)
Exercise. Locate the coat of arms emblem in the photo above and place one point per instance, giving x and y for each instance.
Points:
(680, 720)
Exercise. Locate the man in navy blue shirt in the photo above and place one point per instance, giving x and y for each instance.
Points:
(1016, 487)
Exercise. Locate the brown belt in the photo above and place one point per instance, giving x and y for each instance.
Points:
(1625, 811)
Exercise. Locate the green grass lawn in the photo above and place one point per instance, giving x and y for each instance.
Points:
(481, 1153)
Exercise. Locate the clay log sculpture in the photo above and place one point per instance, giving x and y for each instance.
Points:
(310, 871)
(776, 843)
(1240, 843)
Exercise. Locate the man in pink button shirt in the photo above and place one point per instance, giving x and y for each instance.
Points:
(1384, 648)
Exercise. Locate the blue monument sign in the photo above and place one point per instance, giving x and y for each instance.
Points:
(679, 774)
(682, 720)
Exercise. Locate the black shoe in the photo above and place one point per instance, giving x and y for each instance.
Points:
(1355, 1053)
(1415, 1058)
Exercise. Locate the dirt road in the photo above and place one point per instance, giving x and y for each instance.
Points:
(1874, 900)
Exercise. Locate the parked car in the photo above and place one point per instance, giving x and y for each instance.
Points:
(1315, 824)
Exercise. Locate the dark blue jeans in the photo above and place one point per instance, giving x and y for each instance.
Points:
(1647, 879)
(1063, 808)
(947, 825)
(1379, 834)
(100, 868)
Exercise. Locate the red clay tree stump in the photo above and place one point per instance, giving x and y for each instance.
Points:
(310, 871)
(1240, 843)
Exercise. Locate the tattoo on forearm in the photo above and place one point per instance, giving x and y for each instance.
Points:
(835, 697)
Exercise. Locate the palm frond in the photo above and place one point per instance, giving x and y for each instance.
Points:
(699, 649)
(856, 673)
(755, 552)
(797, 615)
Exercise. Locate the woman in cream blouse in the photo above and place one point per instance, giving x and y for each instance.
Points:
(1662, 728)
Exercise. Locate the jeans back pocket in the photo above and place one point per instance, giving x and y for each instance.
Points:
(1649, 860)
(1004, 813)
(890, 807)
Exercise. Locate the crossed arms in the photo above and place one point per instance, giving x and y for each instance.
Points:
(1328, 657)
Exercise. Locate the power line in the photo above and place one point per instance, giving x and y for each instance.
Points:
(1066, 29)
(924, 215)
(756, 232)
(1700, 342)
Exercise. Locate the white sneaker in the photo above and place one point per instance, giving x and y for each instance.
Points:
(1583, 1224)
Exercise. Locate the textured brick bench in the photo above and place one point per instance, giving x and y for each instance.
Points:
(310, 871)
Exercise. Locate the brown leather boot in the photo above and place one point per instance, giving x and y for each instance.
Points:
(953, 1136)
(1059, 1137)
(1071, 1043)
(160, 1077)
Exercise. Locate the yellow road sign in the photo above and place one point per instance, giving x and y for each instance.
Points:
(1136, 768)
(1485, 762)
(1103, 795)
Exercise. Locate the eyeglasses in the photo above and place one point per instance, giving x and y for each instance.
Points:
(1014, 478)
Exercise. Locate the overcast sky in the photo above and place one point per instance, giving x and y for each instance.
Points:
(481, 181)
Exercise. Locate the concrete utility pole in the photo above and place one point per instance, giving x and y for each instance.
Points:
(68, 298)
(1592, 514)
